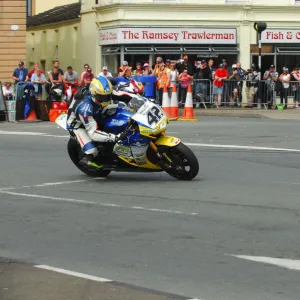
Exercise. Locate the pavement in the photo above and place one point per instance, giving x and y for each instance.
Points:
(230, 234)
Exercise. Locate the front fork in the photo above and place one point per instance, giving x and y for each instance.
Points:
(163, 155)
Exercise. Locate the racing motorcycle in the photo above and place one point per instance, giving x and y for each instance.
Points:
(143, 145)
(70, 91)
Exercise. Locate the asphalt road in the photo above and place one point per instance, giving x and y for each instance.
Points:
(151, 230)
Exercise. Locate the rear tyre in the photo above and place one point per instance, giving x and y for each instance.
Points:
(184, 165)
(76, 155)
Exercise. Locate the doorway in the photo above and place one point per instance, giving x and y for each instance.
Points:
(266, 61)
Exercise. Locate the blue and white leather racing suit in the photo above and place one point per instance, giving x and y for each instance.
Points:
(81, 119)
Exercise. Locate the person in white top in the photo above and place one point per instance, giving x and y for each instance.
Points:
(105, 72)
(285, 78)
(8, 91)
(174, 78)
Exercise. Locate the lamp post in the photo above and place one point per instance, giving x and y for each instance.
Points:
(259, 27)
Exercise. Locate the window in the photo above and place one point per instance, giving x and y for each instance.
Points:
(28, 8)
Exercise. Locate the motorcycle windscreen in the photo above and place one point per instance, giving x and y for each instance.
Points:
(61, 121)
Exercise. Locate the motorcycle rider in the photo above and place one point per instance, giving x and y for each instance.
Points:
(81, 120)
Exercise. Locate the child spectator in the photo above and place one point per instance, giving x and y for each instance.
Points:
(8, 91)
(185, 79)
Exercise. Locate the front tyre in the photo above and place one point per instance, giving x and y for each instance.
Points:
(76, 155)
(184, 164)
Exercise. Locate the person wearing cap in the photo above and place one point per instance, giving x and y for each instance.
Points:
(20, 74)
(225, 63)
(221, 74)
(147, 70)
(271, 77)
(139, 70)
(70, 75)
(285, 79)
(168, 63)
(156, 67)
(124, 70)
(88, 76)
(185, 65)
(105, 72)
(202, 76)
(163, 78)
(233, 86)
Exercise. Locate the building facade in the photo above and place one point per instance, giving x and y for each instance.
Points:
(12, 36)
(110, 31)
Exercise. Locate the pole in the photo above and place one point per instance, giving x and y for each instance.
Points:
(259, 54)
(259, 72)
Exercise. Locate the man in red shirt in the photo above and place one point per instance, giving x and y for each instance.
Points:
(36, 67)
(220, 75)
(88, 76)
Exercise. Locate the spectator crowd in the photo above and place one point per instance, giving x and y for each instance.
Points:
(218, 86)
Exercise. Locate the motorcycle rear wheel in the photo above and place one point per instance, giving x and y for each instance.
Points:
(185, 163)
(75, 153)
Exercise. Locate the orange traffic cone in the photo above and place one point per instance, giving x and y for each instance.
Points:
(174, 105)
(31, 116)
(188, 113)
(166, 103)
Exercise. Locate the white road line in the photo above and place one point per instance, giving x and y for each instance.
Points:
(290, 264)
(40, 134)
(47, 184)
(110, 205)
(242, 147)
(71, 273)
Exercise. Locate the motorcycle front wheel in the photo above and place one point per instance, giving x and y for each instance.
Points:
(184, 164)
(76, 155)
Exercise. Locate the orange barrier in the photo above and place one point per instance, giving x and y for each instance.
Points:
(55, 113)
(166, 103)
(188, 113)
(174, 104)
(31, 116)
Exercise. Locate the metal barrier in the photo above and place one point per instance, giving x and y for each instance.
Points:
(289, 94)
(202, 92)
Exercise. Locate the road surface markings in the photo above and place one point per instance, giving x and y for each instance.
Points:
(71, 273)
(242, 147)
(110, 205)
(290, 264)
(40, 134)
(48, 184)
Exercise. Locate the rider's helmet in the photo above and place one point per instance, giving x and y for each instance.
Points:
(101, 89)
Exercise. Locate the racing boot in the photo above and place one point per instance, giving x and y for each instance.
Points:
(89, 161)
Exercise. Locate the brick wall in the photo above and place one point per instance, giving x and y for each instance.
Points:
(12, 42)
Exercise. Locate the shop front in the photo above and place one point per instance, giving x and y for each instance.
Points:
(137, 44)
(281, 47)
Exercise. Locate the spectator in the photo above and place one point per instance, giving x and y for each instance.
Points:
(105, 72)
(221, 74)
(173, 78)
(56, 64)
(86, 66)
(156, 68)
(296, 87)
(202, 75)
(125, 70)
(70, 76)
(139, 70)
(20, 74)
(38, 79)
(163, 79)
(88, 76)
(252, 78)
(284, 78)
(212, 69)
(233, 86)
(185, 79)
(8, 91)
(185, 65)
(271, 77)
(168, 64)
(55, 76)
(225, 63)
(242, 74)
(147, 70)
(35, 67)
